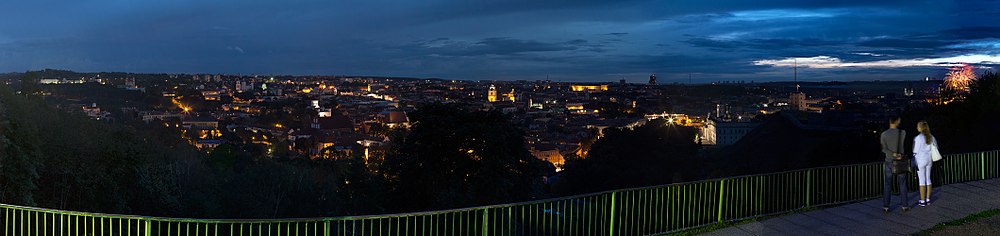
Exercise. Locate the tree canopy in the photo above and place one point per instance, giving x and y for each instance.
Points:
(651, 154)
(457, 158)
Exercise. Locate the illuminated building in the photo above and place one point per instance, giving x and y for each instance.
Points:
(206, 131)
(510, 96)
(205, 123)
(492, 95)
(532, 104)
(588, 88)
(549, 153)
(243, 86)
(797, 100)
(50, 81)
(652, 79)
(393, 119)
(207, 144)
(95, 112)
(574, 106)
(211, 95)
(718, 132)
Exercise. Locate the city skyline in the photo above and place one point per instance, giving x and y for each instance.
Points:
(499, 117)
(592, 41)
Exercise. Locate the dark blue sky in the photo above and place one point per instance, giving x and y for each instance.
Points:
(581, 40)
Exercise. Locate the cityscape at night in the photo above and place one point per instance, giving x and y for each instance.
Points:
(500, 118)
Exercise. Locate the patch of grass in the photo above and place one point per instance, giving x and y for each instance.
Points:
(967, 219)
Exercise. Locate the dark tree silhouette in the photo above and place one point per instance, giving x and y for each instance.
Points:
(966, 125)
(654, 153)
(457, 158)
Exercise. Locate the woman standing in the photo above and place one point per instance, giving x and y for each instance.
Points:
(922, 156)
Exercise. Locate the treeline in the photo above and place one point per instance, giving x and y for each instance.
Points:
(651, 154)
(966, 125)
(64, 160)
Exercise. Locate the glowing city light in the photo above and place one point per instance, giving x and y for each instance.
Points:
(181, 105)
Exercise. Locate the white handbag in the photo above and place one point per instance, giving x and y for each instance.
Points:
(935, 155)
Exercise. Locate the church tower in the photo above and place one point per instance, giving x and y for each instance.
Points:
(492, 95)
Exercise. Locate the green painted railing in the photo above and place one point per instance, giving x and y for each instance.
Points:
(637, 211)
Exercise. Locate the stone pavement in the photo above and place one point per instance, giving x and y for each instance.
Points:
(951, 202)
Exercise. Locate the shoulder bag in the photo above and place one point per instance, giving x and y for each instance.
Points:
(935, 154)
(901, 166)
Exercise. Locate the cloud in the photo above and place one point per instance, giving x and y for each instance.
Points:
(969, 32)
(236, 48)
(906, 43)
(828, 62)
(492, 46)
(868, 54)
(616, 34)
(762, 43)
(582, 40)
(989, 45)
(776, 14)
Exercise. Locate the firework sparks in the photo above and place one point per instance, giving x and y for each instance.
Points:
(959, 78)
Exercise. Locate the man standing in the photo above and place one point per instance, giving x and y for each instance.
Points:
(892, 146)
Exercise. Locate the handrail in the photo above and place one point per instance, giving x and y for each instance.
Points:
(418, 213)
(640, 210)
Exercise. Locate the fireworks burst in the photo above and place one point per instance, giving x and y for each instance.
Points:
(959, 78)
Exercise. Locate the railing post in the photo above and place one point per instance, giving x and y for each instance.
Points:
(486, 222)
(611, 226)
(809, 187)
(982, 165)
(326, 227)
(722, 189)
(149, 228)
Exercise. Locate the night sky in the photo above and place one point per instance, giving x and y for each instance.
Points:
(580, 40)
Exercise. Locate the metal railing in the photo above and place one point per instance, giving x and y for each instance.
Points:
(637, 211)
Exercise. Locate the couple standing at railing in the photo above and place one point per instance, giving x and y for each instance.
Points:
(898, 164)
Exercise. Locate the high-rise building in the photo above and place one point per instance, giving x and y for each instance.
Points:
(492, 95)
(652, 78)
(243, 86)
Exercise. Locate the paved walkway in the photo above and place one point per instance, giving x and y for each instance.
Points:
(951, 202)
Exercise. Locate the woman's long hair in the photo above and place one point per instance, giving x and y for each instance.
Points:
(925, 129)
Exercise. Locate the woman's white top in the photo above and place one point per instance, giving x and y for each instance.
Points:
(922, 150)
